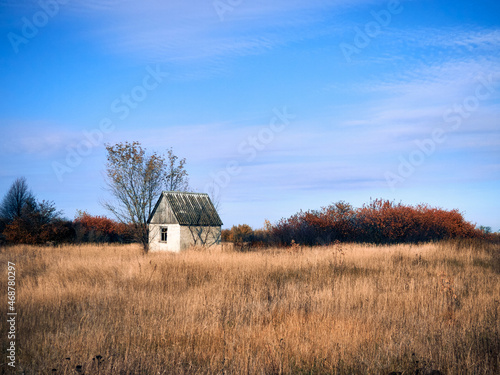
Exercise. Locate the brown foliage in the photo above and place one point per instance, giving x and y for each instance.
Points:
(100, 229)
(244, 237)
(38, 223)
(380, 221)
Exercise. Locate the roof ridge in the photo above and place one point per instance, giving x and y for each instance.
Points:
(182, 192)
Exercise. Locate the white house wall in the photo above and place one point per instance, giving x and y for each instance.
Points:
(173, 237)
(180, 237)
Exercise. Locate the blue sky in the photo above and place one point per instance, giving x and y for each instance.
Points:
(277, 106)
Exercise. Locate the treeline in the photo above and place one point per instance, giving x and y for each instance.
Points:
(379, 222)
(26, 220)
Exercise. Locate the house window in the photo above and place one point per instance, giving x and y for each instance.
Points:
(164, 234)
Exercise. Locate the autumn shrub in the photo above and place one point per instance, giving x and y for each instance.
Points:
(23, 231)
(380, 222)
(34, 228)
(38, 223)
(100, 229)
(241, 233)
(245, 238)
(225, 235)
(260, 238)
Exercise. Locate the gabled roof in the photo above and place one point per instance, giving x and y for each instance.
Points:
(190, 208)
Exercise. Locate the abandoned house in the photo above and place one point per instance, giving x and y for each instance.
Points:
(180, 220)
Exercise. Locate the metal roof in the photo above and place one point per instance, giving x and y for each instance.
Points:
(190, 208)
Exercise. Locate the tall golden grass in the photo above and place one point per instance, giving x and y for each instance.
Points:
(343, 309)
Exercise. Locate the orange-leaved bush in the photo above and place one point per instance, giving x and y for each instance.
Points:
(380, 221)
(91, 228)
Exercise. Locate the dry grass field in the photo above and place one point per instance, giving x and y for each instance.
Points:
(343, 309)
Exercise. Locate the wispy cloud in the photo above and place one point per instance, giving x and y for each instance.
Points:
(470, 37)
(179, 31)
(41, 139)
(414, 97)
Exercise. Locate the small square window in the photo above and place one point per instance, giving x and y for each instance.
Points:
(164, 234)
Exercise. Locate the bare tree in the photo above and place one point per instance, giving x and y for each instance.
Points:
(136, 180)
(18, 196)
(24, 219)
(215, 197)
(176, 176)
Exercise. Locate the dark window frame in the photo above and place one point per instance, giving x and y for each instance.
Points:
(164, 234)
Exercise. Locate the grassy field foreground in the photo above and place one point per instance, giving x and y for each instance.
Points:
(343, 309)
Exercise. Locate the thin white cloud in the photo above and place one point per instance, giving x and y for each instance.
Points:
(472, 38)
(416, 98)
(176, 30)
(38, 138)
